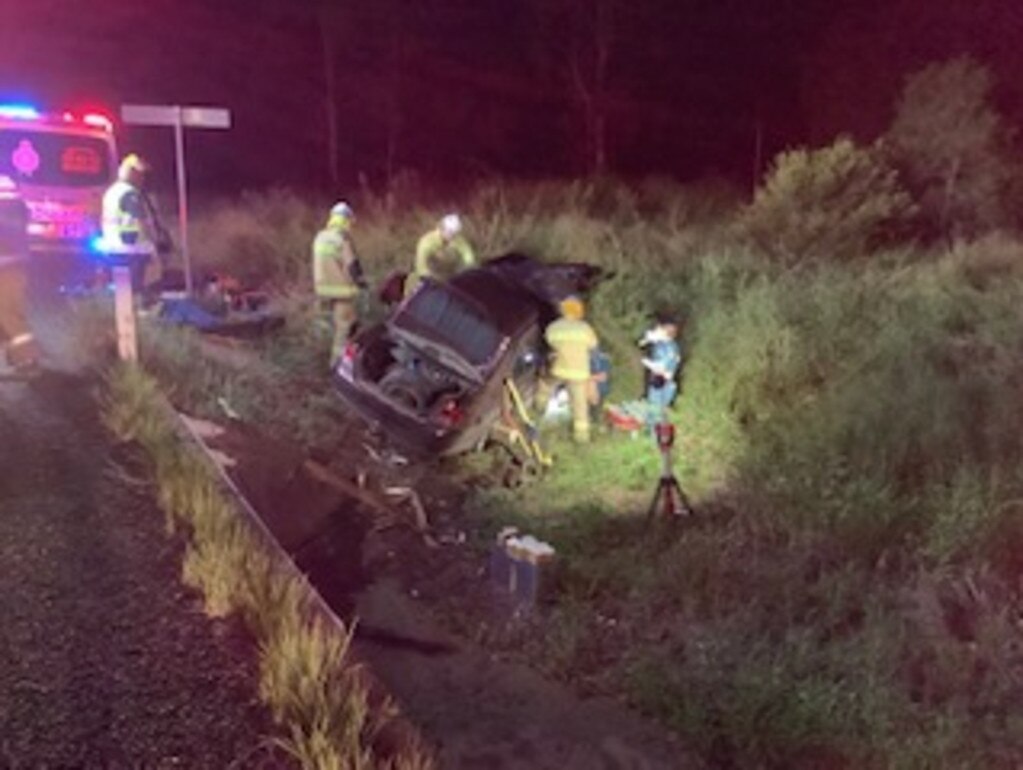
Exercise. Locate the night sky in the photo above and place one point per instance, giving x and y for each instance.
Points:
(465, 89)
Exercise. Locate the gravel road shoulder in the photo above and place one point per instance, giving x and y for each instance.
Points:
(105, 659)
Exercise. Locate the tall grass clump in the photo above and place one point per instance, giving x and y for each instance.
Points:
(314, 691)
(308, 685)
(264, 237)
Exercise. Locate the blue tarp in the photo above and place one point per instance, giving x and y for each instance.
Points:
(190, 312)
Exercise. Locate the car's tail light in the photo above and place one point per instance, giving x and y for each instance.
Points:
(449, 414)
(347, 362)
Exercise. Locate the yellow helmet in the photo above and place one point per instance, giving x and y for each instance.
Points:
(572, 307)
(131, 163)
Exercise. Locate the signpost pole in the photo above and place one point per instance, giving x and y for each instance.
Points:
(179, 150)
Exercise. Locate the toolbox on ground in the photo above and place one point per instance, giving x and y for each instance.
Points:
(521, 566)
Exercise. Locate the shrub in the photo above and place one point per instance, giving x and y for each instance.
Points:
(837, 202)
(954, 148)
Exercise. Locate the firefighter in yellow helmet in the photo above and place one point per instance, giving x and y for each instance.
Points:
(15, 336)
(441, 253)
(572, 341)
(337, 275)
(129, 229)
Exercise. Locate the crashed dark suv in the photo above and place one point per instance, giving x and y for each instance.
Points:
(432, 375)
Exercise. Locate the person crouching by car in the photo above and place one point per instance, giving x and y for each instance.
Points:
(661, 362)
(15, 336)
(441, 253)
(572, 342)
(337, 276)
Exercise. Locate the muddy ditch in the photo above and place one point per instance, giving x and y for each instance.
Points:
(348, 524)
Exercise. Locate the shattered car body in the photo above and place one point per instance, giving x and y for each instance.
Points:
(432, 376)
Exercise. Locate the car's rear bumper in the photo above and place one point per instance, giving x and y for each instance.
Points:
(408, 433)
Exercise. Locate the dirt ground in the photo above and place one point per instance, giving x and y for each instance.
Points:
(375, 566)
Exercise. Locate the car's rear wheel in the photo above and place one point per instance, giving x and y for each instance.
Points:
(404, 388)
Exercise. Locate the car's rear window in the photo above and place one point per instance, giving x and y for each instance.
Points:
(444, 317)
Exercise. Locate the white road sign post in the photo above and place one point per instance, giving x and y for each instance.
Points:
(179, 118)
(124, 314)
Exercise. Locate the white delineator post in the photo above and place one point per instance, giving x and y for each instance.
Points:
(124, 314)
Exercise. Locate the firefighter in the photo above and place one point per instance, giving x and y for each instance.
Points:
(441, 253)
(572, 342)
(19, 345)
(129, 228)
(338, 276)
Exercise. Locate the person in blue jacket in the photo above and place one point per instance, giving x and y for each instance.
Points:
(662, 361)
(600, 381)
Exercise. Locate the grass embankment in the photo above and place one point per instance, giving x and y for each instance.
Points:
(852, 435)
(318, 696)
(858, 598)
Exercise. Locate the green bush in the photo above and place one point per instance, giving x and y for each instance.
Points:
(881, 392)
(834, 203)
(954, 149)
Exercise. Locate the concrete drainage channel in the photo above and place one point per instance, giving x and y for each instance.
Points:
(342, 573)
(333, 713)
(474, 710)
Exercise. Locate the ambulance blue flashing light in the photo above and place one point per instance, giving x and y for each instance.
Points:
(19, 112)
(96, 244)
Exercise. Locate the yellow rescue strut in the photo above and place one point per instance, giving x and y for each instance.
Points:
(525, 435)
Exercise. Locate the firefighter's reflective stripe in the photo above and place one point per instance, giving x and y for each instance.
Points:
(120, 225)
(333, 256)
(571, 341)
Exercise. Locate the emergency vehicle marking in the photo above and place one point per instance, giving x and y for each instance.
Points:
(80, 160)
(25, 159)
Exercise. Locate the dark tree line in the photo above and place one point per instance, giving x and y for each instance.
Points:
(330, 92)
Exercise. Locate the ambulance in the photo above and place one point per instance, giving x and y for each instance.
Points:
(62, 163)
